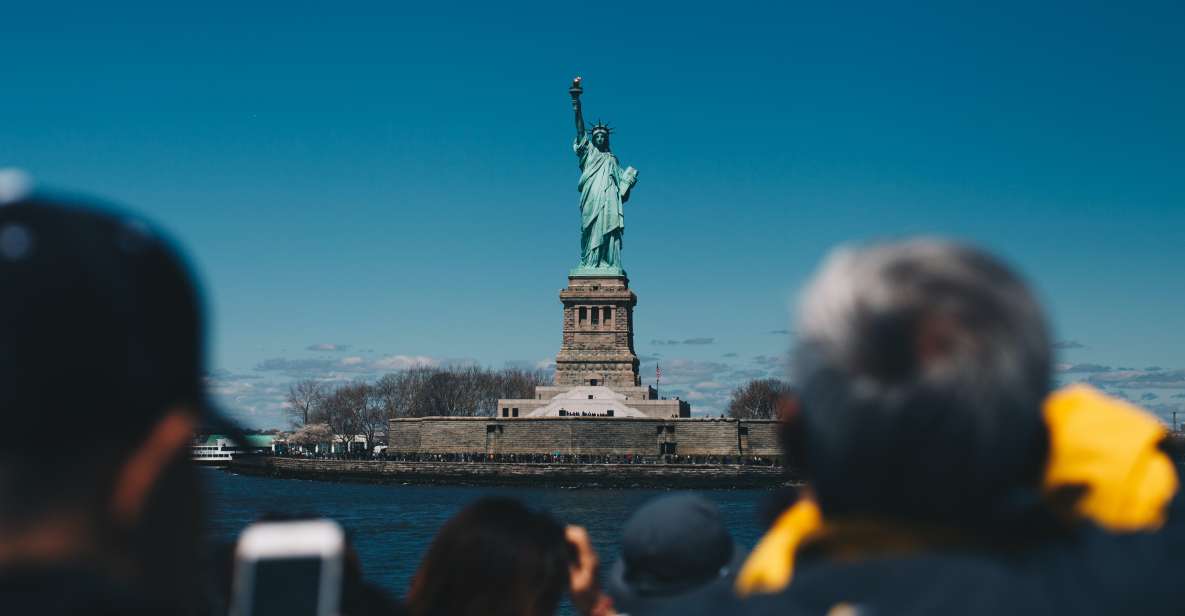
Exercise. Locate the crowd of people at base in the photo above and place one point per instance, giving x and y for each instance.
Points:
(539, 458)
(944, 472)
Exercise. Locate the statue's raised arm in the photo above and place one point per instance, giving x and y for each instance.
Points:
(576, 90)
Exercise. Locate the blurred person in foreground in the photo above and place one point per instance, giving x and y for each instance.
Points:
(498, 557)
(676, 555)
(943, 477)
(101, 364)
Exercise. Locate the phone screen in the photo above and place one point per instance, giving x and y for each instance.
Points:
(286, 586)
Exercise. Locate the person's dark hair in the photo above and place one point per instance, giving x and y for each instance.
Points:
(495, 557)
(922, 368)
(111, 288)
(101, 337)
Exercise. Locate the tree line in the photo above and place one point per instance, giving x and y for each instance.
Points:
(760, 399)
(323, 410)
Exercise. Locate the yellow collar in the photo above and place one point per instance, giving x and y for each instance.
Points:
(1105, 446)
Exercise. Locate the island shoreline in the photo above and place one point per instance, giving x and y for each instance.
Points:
(618, 476)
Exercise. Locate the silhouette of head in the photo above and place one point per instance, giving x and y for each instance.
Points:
(115, 489)
(922, 368)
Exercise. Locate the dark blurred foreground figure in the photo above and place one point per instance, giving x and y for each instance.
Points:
(498, 557)
(101, 363)
(676, 555)
(943, 476)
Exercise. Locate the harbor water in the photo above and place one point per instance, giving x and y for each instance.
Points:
(391, 526)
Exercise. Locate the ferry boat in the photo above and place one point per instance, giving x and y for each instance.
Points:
(217, 450)
(211, 451)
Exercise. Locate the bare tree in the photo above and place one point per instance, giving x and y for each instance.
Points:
(390, 392)
(758, 399)
(445, 395)
(479, 390)
(303, 397)
(519, 383)
(403, 393)
(371, 415)
(452, 392)
(355, 409)
(337, 410)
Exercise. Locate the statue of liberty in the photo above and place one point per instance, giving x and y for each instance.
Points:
(604, 187)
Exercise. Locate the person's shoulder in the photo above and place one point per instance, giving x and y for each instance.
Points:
(965, 583)
(53, 591)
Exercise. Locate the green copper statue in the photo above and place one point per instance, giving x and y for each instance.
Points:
(604, 187)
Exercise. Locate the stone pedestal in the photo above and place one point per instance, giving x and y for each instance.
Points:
(596, 362)
(598, 344)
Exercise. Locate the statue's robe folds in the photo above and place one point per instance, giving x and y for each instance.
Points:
(602, 191)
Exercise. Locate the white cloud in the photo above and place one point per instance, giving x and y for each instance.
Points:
(248, 399)
(689, 371)
(326, 346)
(710, 385)
(402, 362)
(326, 368)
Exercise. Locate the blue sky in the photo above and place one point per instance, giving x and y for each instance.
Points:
(398, 182)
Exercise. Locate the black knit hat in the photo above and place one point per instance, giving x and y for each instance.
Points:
(675, 552)
(101, 327)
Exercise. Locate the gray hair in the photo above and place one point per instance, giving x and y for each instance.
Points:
(922, 365)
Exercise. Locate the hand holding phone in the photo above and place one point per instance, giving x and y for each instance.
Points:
(289, 569)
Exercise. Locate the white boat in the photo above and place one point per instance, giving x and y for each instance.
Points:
(212, 450)
(217, 450)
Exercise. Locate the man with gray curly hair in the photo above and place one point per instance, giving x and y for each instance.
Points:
(944, 474)
(915, 352)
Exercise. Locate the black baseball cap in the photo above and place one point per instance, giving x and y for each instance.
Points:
(101, 326)
(675, 553)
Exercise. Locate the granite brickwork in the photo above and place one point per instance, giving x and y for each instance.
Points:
(598, 333)
(709, 437)
(584, 436)
(597, 349)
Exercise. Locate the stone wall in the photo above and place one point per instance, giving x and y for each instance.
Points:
(404, 436)
(584, 436)
(679, 476)
(709, 437)
(762, 439)
(454, 435)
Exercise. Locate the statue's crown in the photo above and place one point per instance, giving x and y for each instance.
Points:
(602, 127)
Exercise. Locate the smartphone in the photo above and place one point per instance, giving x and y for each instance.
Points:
(288, 569)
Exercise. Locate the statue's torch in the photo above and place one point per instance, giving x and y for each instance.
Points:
(576, 91)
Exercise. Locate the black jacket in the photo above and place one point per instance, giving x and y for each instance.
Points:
(66, 591)
(1084, 571)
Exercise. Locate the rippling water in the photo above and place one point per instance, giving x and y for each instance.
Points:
(392, 525)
